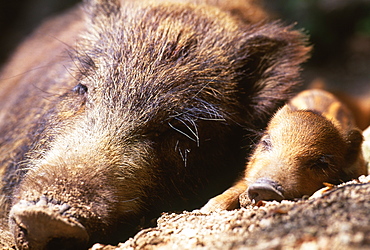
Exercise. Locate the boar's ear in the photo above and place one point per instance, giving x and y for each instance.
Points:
(270, 65)
(96, 8)
(354, 141)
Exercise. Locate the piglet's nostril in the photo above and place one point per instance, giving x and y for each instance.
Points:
(252, 194)
(264, 189)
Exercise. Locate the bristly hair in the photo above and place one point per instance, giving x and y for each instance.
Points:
(258, 60)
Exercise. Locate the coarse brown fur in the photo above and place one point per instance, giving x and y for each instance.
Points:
(312, 140)
(120, 110)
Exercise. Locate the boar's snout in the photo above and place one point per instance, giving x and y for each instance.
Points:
(265, 189)
(43, 225)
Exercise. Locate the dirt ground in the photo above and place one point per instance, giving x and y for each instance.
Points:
(337, 220)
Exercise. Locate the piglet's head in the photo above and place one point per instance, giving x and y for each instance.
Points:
(300, 151)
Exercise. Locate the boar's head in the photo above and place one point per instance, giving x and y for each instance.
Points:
(157, 104)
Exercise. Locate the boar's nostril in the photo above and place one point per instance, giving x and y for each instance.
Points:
(264, 189)
(43, 226)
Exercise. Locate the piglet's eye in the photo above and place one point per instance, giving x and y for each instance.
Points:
(80, 89)
(321, 163)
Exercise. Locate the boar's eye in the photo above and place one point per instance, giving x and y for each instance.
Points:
(80, 89)
(266, 142)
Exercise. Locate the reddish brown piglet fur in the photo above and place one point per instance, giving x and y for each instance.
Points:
(118, 110)
(310, 141)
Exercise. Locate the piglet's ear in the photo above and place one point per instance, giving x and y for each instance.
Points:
(96, 8)
(354, 142)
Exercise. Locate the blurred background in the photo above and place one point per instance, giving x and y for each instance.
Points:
(340, 33)
(339, 30)
(18, 18)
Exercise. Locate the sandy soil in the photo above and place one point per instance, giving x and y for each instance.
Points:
(339, 219)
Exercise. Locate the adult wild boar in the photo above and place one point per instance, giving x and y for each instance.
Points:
(311, 140)
(119, 110)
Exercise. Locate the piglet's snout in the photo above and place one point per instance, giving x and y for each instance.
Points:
(265, 189)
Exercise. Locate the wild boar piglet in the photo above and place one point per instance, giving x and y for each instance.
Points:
(310, 141)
